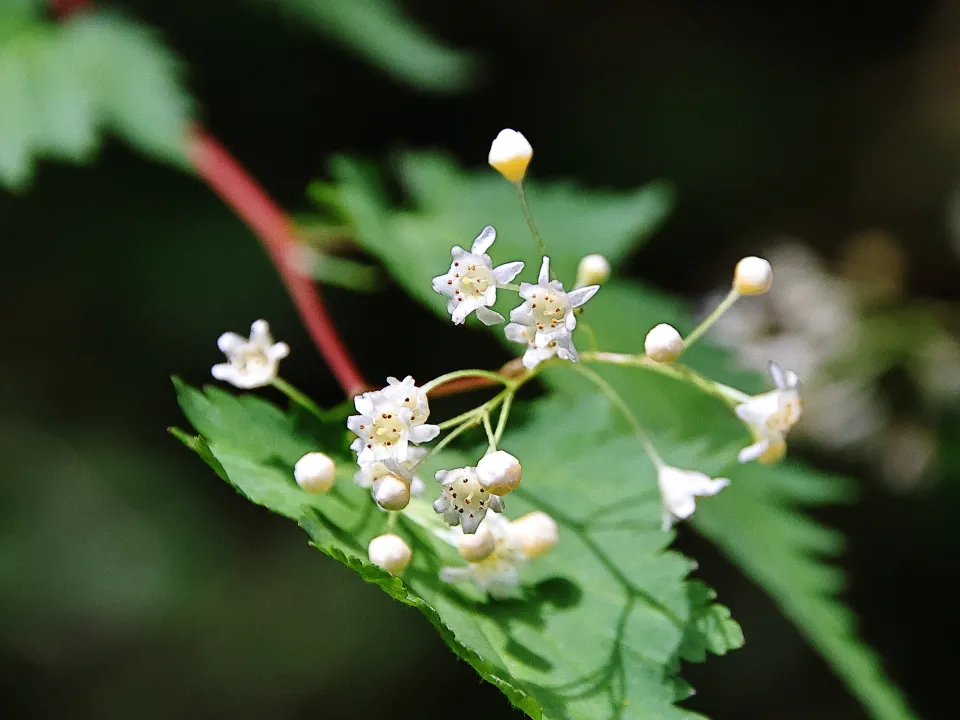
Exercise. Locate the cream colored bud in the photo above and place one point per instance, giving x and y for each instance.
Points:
(752, 276)
(510, 154)
(315, 472)
(499, 472)
(390, 552)
(391, 493)
(663, 343)
(476, 547)
(537, 533)
(593, 270)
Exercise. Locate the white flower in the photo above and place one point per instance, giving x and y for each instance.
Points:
(536, 532)
(315, 472)
(476, 547)
(663, 344)
(389, 420)
(471, 282)
(593, 270)
(752, 276)
(389, 552)
(770, 416)
(463, 500)
(510, 154)
(547, 313)
(499, 472)
(498, 572)
(250, 363)
(368, 474)
(678, 488)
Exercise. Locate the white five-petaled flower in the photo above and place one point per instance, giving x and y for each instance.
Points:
(678, 488)
(770, 416)
(463, 500)
(471, 283)
(389, 420)
(253, 362)
(497, 572)
(546, 319)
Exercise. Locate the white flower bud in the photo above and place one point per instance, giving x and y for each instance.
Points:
(752, 276)
(390, 552)
(663, 343)
(476, 547)
(536, 532)
(499, 472)
(315, 472)
(593, 270)
(510, 154)
(391, 493)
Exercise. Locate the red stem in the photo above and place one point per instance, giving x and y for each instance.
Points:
(226, 177)
(249, 201)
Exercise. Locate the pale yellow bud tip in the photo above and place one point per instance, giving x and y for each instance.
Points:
(476, 547)
(390, 552)
(537, 533)
(510, 155)
(593, 270)
(663, 343)
(315, 472)
(753, 276)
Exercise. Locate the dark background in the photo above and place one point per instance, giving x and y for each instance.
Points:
(135, 584)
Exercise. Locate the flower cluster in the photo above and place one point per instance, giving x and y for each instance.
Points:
(392, 431)
(390, 424)
(499, 549)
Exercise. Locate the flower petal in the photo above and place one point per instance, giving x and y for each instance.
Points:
(423, 433)
(752, 452)
(507, 272)
(578, 297)
(544, 277)
(484, 240)
(488, 316)
(440, 284)
(779, 379)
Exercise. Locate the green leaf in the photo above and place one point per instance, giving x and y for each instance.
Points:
(453, 207)
(65, 84)
(759, 522)
(379, 31)
(604, 619)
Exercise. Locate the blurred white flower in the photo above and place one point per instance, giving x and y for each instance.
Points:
(592, 270)
(471, 282)
(548, 313)
(498, 571)
(253, 362)
(679, 488)
(770, 416)
(536, 532)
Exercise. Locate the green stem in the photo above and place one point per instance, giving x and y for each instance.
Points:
(502, 420)
(472, 413)
(298, 397)
(731, 396)
(457, 374)
(491, 439)
(621, 404)
(528, 216)
(708, 322)
(392, 519)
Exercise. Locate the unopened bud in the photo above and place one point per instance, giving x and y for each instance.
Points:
(752, 276)
(389, 552)
(592, 270)
(315, 472)
(537, 533)
(663, 343)
(510, 154)
(476, 547)
(391, 493)
(499, 472)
